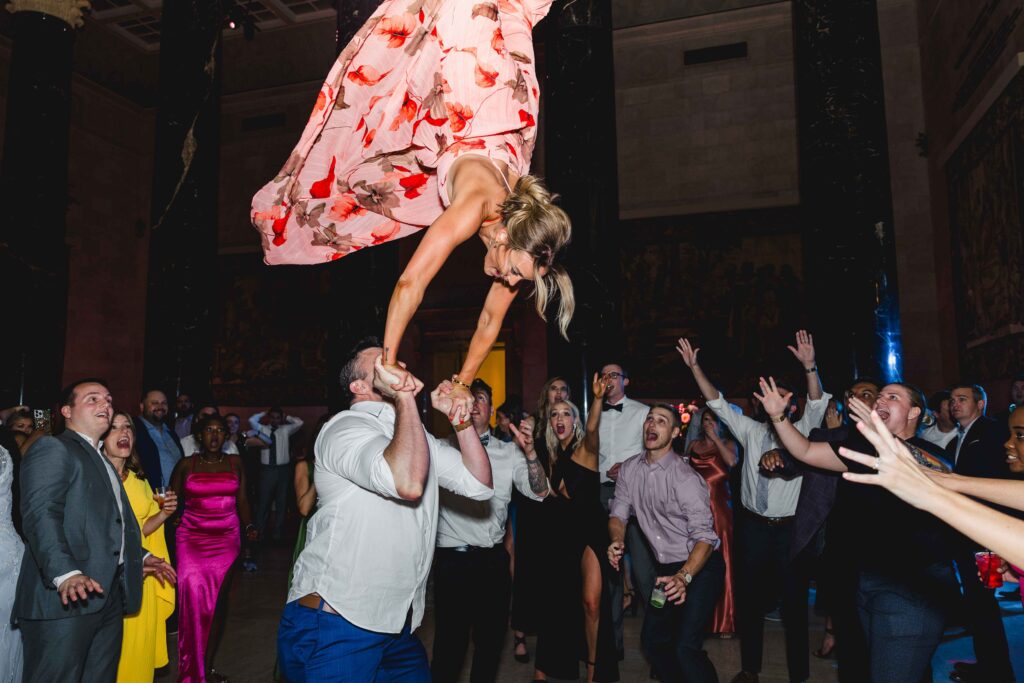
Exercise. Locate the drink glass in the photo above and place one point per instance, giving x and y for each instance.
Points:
(160, 495)
(658, 597)
(988, 568)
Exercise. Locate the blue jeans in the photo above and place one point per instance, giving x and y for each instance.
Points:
(315, 646)
(673, 635)
(904, 623)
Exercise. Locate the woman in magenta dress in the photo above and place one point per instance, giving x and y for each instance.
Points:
(427, 119)
(212, 484)
(713, 454)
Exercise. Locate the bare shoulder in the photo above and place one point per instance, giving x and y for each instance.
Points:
(473, 177)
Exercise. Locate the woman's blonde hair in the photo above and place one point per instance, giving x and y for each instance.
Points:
(541, 229)
(577, 431)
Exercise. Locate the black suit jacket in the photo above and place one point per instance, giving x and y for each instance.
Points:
(71, 521)
(982, 454)
(149, 454)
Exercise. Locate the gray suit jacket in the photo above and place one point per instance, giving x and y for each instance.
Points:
(71, 521)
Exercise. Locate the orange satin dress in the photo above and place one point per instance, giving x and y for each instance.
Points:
(704, 458)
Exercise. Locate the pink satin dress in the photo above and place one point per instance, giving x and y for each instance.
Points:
(704, 458)
(208, 544)
(422, 83)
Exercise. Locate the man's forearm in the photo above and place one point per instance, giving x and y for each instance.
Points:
(814, 389)
(474, 457)
(616, 529)
(537, 476)
(704, 384)
(408, 455)
(698, 558)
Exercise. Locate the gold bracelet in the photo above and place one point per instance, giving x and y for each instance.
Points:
(456, 380)
(779, 418)
(462, 425)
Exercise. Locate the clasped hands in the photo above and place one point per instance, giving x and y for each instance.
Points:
(449, 398)
(79, 586)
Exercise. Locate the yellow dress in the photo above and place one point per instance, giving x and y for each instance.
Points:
(144, 644)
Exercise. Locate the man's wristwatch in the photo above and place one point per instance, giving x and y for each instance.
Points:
(687, 577)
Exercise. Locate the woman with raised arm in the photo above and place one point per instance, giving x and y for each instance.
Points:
(578, 624)
(902, 557)
(427, 119)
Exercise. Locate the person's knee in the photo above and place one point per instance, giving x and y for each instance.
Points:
(592, 606)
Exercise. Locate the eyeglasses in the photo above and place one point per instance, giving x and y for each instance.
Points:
(613, 375)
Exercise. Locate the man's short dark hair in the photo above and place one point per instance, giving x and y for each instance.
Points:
(348, 370)
(273, 409)
(677, 422)
(936, 399)
(976, 389)
(149, 390)
(865, 380)
(480, 385)
(67, 394)
(204, 406)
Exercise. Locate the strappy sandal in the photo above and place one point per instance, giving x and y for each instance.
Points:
(521, 658)
(216, 677)
(821, 652)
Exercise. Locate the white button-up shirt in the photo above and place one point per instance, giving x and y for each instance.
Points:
(463, 521)
(622, 434)
(281, 436)
(759, 437)
(937, 436)
(368, 552)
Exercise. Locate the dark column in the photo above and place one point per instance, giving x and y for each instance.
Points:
(580, 161)
(183, 239)
(845, 189)
(370, 272)
(34, 194)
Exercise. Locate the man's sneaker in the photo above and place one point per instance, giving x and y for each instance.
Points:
(774, 615)
(249, 566)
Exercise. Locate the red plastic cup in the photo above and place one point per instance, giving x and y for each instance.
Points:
(988, 568)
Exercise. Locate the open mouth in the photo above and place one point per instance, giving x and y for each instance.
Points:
(651, 436)
(1012, 457)
(560, 429)
(124, 442)
(882, 413)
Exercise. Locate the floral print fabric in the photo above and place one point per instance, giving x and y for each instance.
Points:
(421, 83)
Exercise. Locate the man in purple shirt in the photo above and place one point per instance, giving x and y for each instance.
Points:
(670, 501)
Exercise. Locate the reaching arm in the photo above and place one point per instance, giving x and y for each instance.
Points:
(492, 316)
(689, 355)
(804, 352)
(408, 455)
(453, 227)
(537, 478)
(1006, 492)
(592, 436)
(815, 454)
(254, 421)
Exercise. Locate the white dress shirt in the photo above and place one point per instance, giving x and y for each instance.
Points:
(281, 438)
(115, 484)
(937, 436)
(622, 434)
(368, 552)
(757, 438)
(481, 523)
(190, 446)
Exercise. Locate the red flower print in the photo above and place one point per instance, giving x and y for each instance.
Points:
(368, 139)
(366, 75)
(458, 115)
(321, 100)
(498, 41)
(322, 188)
(278, 228)
(397, 29)
(406, 113)
(485, 78)
(412, 184)
(345, 208)
(512, 149)
(460, 146)
(385, 232)
(527, 118)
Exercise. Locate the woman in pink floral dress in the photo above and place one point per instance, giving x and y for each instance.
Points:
(427, 119)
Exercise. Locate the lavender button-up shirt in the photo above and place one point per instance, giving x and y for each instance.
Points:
(671, 502)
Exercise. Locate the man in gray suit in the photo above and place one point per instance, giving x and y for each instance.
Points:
(83, 564)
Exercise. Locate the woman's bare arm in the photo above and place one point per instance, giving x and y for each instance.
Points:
(499, 300)
(305, 490)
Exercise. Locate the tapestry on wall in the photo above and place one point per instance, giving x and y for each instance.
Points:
(986, 179)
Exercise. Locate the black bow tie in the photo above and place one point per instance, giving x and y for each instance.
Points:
(609, 406)
(485, 438)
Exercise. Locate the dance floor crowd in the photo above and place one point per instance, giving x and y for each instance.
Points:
(122, 529)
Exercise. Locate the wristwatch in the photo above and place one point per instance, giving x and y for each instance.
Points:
(687, 578)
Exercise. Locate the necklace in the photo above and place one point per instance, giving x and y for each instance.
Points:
(211, 461)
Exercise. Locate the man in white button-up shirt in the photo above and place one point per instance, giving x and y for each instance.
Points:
(472, 581)
(275, 429)
(764, 520)
(359, 584)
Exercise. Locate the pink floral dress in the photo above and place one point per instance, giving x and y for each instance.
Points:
(422, 83)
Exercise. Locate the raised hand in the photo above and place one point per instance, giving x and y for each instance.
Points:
(391, 380)
(687, 352)
(599, 386)
(462, 404)
(832, 417)
(859, 410)
(774, 400)
(896, 468)
(523, 436)
(615, 552)
(804, 349)
(78, 588)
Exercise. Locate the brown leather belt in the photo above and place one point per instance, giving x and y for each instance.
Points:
(314, 601)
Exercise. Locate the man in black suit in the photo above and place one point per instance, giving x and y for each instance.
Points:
(978, 452)
(83, 564)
